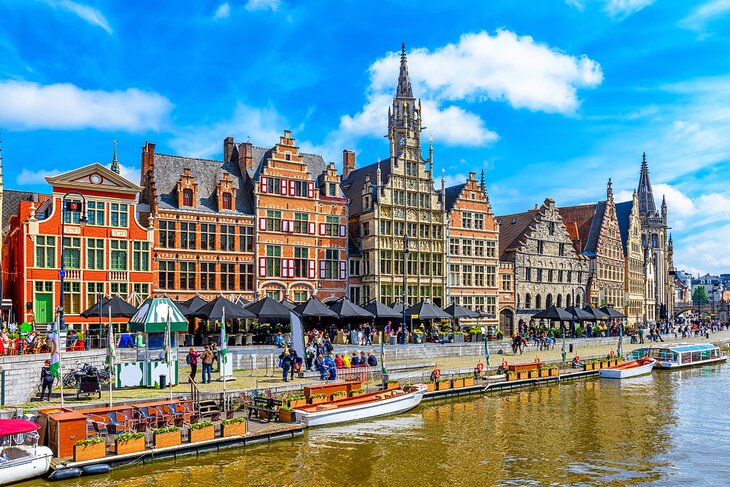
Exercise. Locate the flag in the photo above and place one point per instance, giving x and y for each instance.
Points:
(382, 354)
(486, 348)
(297, 334)
(168, 346)
(111, 346)
(563, 353)
(223, 350)
(55, 351)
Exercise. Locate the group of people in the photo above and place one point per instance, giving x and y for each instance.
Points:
(327, 366)
(210, 354)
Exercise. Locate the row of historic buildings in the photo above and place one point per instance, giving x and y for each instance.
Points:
(279, 222)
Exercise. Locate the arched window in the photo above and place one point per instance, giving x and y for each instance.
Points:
(549, 300)
(227, 201)
(538, 302)
(187, 197)
(568, 300)
(577, 301)
(559, 301)
(528, 301)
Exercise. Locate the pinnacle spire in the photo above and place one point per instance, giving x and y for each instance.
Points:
(647, 206)
(115, 163)
(404, 82)
(609, 190)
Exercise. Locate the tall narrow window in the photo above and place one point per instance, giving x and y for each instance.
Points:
(119, 213)
(167, 274)
(207, 236)
(227, 201)
(95, 213)
(187, 275)
(273, 260)
(45, 251)
(72, 297)
(187, 235)
(228, 277)
(228, 237)
(94, 292)
(331, 264)
(95, 254)
(118, 255)
(72, 252)
(246, 239)
(301, 256)
(141, 256)
(273, 220)
(188, 197)
(207, 276)
(167, 234)
(245, 274)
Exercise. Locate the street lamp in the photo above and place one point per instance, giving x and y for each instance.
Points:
(71, 207)
(405, 267)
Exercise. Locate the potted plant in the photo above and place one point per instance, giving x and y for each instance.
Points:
(392, 384)
(523, 374)
(443, 384)
(544, 371)
(233, 427)
(336, 396)
(553, 370)
(430, 386)
(533, 373)
(318, 398)
(458, 337)
(468, 381)
(89, 449)
(357, 392)
(286, 415)
(295, 400)
(129, 443)
(203, 431)
(165, 437)
(511, 375)
(458, 382)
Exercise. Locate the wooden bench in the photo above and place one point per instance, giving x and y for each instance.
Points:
(267, 405)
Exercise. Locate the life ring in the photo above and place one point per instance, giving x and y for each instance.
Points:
(436, 373)
(537, 360)
(577, 358)
(480, 367)
(611, 354)
(504, 365)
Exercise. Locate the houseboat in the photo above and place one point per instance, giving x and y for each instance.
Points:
(21, 458)
(681, 355)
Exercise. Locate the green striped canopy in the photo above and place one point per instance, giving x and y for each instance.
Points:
(151, 317)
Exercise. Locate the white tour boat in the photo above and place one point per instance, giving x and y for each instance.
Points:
(681, 355)
(20, 456)
(633, 368)
(371, 405)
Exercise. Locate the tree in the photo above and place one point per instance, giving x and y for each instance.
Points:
(699, 295)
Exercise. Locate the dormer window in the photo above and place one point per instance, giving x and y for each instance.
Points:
(187, 197)
(227, 201)
(287, 156)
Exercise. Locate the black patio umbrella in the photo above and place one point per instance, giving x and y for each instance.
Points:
(183, 309)
(427, 311)
(553, 313)
(214, 310)
(461, 312)
(379, 310)
(314, 308)
(119, 308)
(579, 314)
(347, 309)
(398, 307)
(288, 304)
(268, 309)
(484, 314)
(612, 313)
(195, 303)
(597, 313)
(241, 302)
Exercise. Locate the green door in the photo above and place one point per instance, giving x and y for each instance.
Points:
(44, 308)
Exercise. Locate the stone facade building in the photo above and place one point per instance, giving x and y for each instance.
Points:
(634, 278)
(594, 229)
(260, 222)
(397, 218)
(547, 269)
(472, 261)
(506, 302)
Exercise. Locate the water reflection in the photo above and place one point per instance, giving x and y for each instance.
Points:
(668, 427)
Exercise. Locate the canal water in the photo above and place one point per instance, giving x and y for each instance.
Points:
(668, 428)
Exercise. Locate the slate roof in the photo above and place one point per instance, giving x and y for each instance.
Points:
(353, 183)
(11, 202)
(579, 221)
(623, 214)
(452, 194)
(512, 229)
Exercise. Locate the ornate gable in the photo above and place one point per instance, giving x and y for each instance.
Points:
(94, 177)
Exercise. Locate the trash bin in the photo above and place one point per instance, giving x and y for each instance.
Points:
(570, 348)
(163, 381)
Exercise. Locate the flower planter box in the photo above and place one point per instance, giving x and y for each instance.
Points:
(295, 403)
(286, 416)
(511, 376)
(392, 385)
(588, 366)
(533, 374)
(544, 373)
(442, 386)
(523, 374)
(468, 381)
(430, 386)
(234, 429)
(457, 383)
(135, 445)
(318, 400)
(202, 434)
(355, 394)
(458, 338)
(164, 440)
(553, 372)
(89, 452)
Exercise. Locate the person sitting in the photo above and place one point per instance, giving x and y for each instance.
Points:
(372, 361)
(363, 360)
(71, 340)
(338, 361)
(320, 367)
(346, 361)
(355, 361)
(329, 364)
(125, 341)
(577, 363)
(279, 340)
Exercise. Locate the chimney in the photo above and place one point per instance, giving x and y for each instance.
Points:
(228, 145)
(245, 156)
(348, 162)
(146, 175)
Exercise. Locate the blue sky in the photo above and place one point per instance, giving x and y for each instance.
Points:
(549, 97)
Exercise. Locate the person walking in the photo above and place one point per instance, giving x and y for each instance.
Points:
(368, 334)
(216, 354)
(207, 358)
(46, 379)
(320, 367)
(641, 335)
(192, 361)
(296, 362)
(285, 364)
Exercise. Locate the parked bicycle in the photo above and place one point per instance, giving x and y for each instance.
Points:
(71, 379)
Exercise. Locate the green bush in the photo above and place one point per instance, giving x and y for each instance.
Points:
(318, 396)
(168, 429)
(129, 436)
(339, 393)
(285, 409)
(358, 391)
(233, 421)
(201, 425)
(90, 441)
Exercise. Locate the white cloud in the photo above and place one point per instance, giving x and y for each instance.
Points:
(576, 4)
(450, 179)
(257, 124)
(624, 8)
(272, 5)
(30, 106)
(89, 14)
(705, 13)
(222, 12)
(28, 177)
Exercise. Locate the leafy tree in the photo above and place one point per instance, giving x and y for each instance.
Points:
(699, 295)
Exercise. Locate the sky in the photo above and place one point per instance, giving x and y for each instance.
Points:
(551, 98)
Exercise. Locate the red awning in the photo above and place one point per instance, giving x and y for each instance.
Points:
(16, 426)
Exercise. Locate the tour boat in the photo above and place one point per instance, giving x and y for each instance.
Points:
(628, 369)
(20, 456)
(681, 355)
(371, 405)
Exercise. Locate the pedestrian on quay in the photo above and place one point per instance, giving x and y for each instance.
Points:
(46, 379)
(346, 361)
(285, 364)
(367, 332)
(207, 358)
(125, 341)
(372, 361)
(363, 359)
(216, 354)
(338, 361)
(296, 362)
(329, 364)
(641, 335)
(319, 367)
(355, 361)
(192, 360)
(310, 354)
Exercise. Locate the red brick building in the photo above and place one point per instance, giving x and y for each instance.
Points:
(109, 254)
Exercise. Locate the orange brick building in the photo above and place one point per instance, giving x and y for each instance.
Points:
(109, 254)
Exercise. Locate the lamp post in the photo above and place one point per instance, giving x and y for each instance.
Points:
(405, 281)
(68, 206)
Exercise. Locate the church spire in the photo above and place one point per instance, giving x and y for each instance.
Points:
(115, 163)
(647, 206)
(404, 82)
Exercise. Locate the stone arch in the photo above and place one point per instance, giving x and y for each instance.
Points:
(559, 301)
(538, 302)
(528, 301)
(548, 300)
(568, 301)
(577, 301)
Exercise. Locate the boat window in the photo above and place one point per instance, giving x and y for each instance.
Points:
(705, 354)
(687, 358)
(696, 356)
